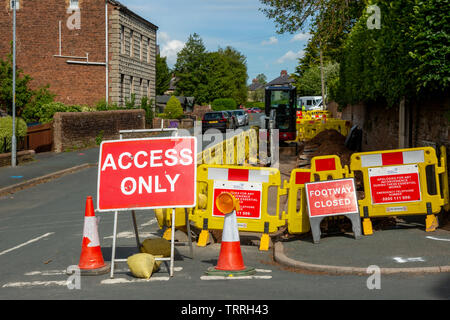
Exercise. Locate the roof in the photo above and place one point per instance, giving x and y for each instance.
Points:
(283, 79)
(128, 11)
(255, 86)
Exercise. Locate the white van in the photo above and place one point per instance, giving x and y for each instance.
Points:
(311, 103)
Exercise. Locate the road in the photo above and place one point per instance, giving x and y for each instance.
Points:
(40, 237)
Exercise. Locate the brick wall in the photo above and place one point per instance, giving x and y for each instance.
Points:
(38, 48)
(38, 43)
(81, 129)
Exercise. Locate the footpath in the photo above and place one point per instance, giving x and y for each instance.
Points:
(398, 246)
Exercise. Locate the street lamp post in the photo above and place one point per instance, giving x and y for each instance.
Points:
(13, 139)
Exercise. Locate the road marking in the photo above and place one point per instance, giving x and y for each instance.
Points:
(439, 239)
(131, 235)
(46, 273)
(123, 280)
(405, 260)
(235, 278)
(34, 284)
(26, 243)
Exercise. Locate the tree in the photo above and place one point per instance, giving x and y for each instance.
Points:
(210, 75)
(173, 109)
(262, 78)
(191, 70)
(163, 75)
(328, 21)
(23, 92)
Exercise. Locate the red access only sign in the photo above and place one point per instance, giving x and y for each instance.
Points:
(248, 194)
(331, 197)
(147, 174)
(394, 184)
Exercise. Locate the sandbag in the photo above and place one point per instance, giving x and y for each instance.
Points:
(156, 247)
(141, 265)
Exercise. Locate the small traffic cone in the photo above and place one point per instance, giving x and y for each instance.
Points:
(230, 261)
(91, 259)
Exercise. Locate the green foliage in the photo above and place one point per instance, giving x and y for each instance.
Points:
(162, 75)
(254, 104)
(130, 104)
(40, 97)
(23, 93)
(6, 131)
(210, 75)
(223, 104)
(99, 137)
(147, 105)
(173, 109)
(431, 52)
(102, 105)
(46, 112)
(407, 57)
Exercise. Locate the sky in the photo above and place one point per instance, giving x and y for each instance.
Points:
(221, 23)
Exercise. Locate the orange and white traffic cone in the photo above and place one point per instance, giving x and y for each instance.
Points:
(91, 259)
(230, 261)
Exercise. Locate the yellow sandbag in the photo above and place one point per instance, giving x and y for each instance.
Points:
(141, 265)
(156, 247)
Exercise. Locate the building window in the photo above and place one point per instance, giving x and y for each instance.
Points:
(148, 51)
(122, 90)
(141, 47)
(131, 86)
(12, 2)
(131, 43)
(122, 39)
(73, 4)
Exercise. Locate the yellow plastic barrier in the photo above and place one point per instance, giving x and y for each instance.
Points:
(400, 182)
(251, 186)
(328, 168)
(443, 173)
(297, 215)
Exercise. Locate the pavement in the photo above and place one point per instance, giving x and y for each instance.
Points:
(404, 247)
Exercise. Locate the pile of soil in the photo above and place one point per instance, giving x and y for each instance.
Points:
(330, 142)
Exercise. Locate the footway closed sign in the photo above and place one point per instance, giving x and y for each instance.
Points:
(147, 174)
(331, 197)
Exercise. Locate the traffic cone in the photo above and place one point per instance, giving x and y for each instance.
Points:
(91, 259)
(230, 261)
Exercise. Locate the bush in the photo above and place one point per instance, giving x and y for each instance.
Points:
(147, 105)
(6, 132)
(102, 105)
(46, 112)
(254, 104)
(173, 109)
(223, 104)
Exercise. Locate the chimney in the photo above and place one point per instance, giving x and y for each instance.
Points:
(283, 73)
(255, 80)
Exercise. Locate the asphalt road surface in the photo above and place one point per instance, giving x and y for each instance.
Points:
(40, 237)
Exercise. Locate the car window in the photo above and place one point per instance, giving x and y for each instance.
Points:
(212, 116)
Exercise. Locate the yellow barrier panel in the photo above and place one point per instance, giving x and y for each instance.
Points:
(399, 182)
(251, 186)
(240, 149)
(253, 146)
(328, 168)
(443, 173)
(297, 215)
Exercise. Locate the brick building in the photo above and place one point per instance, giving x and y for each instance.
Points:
(64, 43)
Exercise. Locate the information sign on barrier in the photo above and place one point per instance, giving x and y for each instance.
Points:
(332, 198)
(394, 184)
(249, 196)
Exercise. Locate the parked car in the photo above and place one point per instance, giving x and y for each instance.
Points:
(254, 110)
(235, 120)
(242, 117)
(217, 120)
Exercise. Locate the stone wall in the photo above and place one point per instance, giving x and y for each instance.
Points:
(83, 129)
